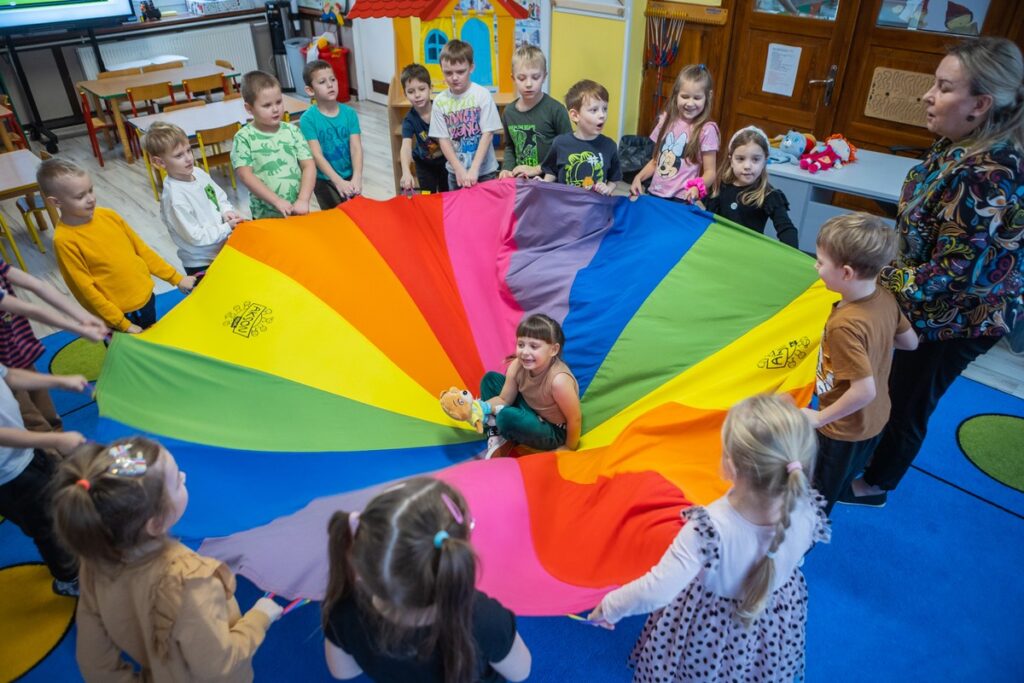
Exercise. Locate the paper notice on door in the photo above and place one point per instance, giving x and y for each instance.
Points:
(780, 69)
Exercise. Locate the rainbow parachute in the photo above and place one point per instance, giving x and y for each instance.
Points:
(303, 374)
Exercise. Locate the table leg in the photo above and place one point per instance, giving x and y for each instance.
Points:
(122, 133)
(5, 139)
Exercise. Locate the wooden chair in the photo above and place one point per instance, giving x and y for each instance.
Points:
(162, 67)
(212, 137)
(93, 124)
(14, 131)
(232, 96)
(34, 205)
(150, 95)
(204, 85)
(5, 231)
(225, 64)
(184, 105)
(117, 73)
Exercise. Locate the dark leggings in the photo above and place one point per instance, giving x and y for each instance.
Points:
(917, 381)
(518, 422)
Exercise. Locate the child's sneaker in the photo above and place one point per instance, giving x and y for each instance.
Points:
(68, 589)
(497, 446)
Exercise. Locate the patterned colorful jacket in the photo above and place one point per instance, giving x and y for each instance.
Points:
(959, 271)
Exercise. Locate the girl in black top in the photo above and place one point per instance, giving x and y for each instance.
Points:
(742, 193)
(401, 600)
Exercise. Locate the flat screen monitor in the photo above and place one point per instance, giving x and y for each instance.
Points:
(17, 16)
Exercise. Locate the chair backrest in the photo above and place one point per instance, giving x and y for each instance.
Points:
(203, 84)
(143, 93)
(117, 73)
(224, 63)
(160, 67)
(185, 105)
(211, 136)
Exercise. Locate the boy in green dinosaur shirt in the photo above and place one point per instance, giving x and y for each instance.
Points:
(271, 159)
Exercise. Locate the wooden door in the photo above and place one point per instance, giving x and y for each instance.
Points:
(904, 61)
(824, 44)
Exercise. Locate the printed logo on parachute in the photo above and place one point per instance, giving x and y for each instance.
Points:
(248, 319)
(785, 356)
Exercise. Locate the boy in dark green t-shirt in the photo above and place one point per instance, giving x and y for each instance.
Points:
(534, 119)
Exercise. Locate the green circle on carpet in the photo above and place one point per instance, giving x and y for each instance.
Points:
(994, 444)
(80, 357)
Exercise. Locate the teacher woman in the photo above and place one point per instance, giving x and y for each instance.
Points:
(958, 275)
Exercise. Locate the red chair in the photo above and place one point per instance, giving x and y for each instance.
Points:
(95, 123)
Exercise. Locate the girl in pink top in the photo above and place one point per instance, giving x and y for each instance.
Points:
(728, 599)
(685, 141)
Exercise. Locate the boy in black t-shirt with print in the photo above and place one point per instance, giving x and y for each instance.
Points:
(585, 158)
(416, 142)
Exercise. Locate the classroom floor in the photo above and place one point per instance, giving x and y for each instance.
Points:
(123, 187)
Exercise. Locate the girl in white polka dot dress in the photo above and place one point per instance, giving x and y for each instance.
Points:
(728, 599)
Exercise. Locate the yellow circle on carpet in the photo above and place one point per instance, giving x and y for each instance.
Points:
(33, 620)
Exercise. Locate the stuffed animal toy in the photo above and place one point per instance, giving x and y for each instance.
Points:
(835, 152)
(459, 404)
(320, 46)
(791, 147)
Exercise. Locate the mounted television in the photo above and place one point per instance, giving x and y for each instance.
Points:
(22, 16)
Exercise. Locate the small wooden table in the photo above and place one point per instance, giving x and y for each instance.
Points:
(18, 179)
(212, 115)
(116, 89)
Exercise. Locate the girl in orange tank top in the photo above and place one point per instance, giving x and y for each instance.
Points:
(537, 401)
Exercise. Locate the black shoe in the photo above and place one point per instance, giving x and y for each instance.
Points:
(848, 498)
(69, 589)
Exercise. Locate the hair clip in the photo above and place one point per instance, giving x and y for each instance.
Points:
(453, 508)
(125, 464)
(439, 538)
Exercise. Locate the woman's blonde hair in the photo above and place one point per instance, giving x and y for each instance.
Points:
(995, 68)
(764, 437)
(759, 189)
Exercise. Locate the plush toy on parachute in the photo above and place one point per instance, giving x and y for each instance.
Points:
(459, 404)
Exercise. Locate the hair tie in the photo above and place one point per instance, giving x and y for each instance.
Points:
(698, 182)
(753, 129)
(353, 522)
(770, 554)
(439, 538)
(84, 483)
(794, 466)
(453, 508)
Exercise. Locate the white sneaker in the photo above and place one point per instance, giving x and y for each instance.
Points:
(494, 445)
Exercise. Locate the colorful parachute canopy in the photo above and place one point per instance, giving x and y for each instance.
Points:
(314, 351)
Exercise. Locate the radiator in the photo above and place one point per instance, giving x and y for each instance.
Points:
(200, 45)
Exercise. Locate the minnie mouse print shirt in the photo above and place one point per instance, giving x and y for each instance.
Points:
(672, 169)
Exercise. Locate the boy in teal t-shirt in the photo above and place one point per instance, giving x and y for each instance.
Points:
(332, 131)
(271, 159)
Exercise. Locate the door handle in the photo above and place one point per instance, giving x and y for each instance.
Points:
(829, 83)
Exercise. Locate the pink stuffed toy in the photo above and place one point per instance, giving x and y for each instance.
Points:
(837, 151)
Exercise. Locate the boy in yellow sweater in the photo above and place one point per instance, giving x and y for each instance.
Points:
(105, 264)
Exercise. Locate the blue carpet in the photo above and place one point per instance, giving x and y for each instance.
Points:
(926, 589)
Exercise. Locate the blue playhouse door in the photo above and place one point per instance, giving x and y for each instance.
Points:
(476, 34)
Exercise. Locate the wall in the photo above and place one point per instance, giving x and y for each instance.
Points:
(592, 47)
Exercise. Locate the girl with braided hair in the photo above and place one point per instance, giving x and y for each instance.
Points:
(401, 602)
(729, 601)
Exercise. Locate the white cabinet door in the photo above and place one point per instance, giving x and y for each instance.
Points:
(374, 41)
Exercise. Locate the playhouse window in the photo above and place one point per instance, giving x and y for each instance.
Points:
(432, 46)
